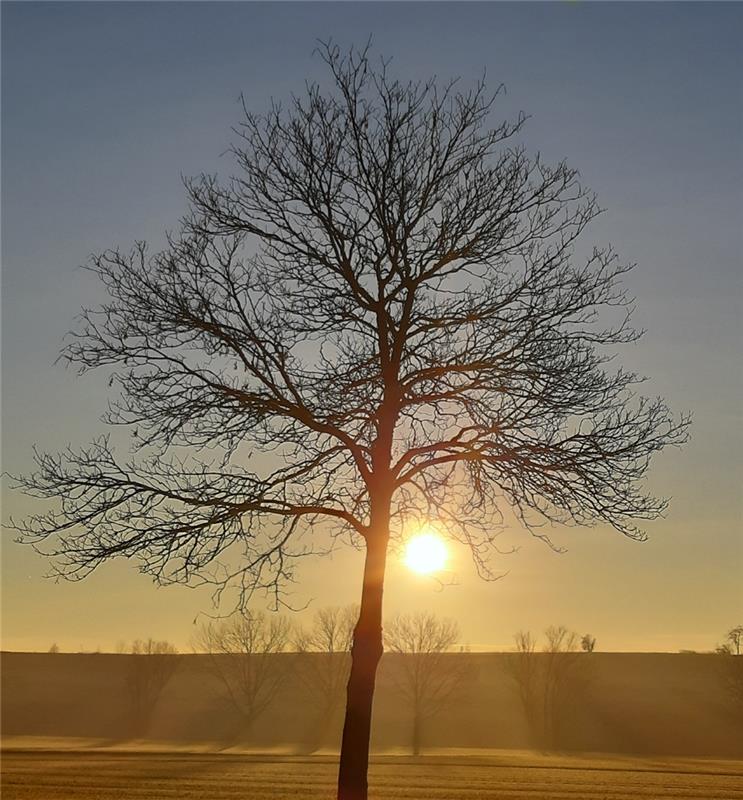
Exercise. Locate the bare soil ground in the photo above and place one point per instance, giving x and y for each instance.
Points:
(37, 774)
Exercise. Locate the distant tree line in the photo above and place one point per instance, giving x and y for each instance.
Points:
(552, 677)
(241, 651)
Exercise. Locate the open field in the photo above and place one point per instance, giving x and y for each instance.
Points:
(663, 723)
(105, 775)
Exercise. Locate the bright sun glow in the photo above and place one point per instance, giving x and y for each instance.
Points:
(425, 553)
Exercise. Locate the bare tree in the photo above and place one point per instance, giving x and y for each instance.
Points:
(427, 675)
(731, 669)
(326, 647)
(524, 668)
(150, 666)
(241, 654)
(54, 648)
(564, 680)
(549, 682)
(734, 639)
(386, 297)
(588, 643)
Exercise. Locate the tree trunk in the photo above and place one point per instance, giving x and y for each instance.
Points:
(321, 727)
(416, 731)
(365, 654)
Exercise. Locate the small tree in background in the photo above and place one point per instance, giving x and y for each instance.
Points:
(241, 654)
(563, 679)
(731, 668)
(549, 681)
(588, 643)
(427, 675)
(734, 639)
(54, 648)
(525, 670)
(326, 643)
(150, 666)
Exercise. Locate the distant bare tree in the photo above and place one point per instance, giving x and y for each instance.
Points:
(525, 670)
(331, 631)
(149, 668)
(560, 640)
(326, 646)
(734, 638)
(427, 675)
(549, 681)
(588, 643)
(241, 653)
(563, 678)
(389, 295)
(54, 648)
(731, 669)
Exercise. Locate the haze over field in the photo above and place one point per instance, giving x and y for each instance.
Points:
(617, 703)
(479, 745)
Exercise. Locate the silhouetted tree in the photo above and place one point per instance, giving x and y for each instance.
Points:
(734, 639)
(326, 646)
(524, 669)
(386, 297)
(588, 643)
(54, 648)
(731, 668)
(427, 675)
(564, 679)
(149, 668)
(241, 654)
(549, 682)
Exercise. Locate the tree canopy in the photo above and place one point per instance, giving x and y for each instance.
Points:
(385, 294)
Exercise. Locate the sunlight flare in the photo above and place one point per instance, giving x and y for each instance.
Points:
(425, 553)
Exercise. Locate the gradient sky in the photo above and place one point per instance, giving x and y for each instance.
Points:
(105, 105)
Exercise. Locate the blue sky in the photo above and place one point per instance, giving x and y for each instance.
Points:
(106, 105)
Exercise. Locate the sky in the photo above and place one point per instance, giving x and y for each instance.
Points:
(106, 105)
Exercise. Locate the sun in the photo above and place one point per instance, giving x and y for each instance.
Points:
(425, 553)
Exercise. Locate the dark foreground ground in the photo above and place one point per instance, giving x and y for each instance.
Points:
(105, 775)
